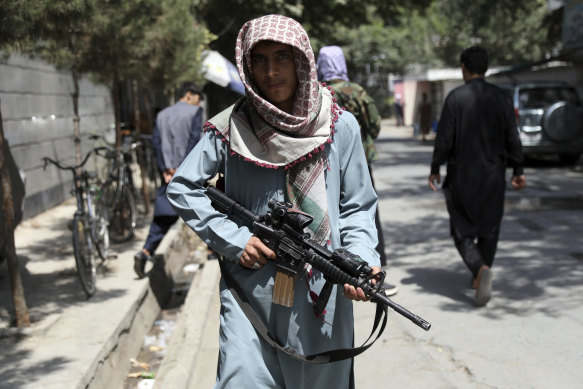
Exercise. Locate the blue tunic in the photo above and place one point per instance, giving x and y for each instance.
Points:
(245, 360)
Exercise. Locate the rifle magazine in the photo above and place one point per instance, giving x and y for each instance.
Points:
(283, 288)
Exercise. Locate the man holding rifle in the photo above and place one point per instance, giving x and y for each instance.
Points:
(286, 140)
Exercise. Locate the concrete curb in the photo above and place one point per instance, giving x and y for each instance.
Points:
(110, 366)
(184, 349)
(113, 361)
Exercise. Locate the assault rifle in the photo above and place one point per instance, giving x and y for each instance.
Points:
(282, 230)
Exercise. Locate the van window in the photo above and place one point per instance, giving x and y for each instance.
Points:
(542, 97)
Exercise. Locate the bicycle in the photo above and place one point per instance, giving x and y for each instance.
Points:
(89, 226)
(118, 194)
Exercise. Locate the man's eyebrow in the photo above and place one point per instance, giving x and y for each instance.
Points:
(282, 51)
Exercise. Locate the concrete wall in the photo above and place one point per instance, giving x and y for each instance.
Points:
(37, 113)
(409, 96)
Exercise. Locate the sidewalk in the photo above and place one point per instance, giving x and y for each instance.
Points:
(75, 342)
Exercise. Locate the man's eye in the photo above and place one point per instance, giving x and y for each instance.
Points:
(257, 59)
(284, 56)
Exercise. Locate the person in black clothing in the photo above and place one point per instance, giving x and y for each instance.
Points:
(477, 137)
(398, 106)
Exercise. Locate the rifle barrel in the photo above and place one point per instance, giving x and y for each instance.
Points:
(402, 311)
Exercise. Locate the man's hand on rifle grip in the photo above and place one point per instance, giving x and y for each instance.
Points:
(255, 254)
(357, 294)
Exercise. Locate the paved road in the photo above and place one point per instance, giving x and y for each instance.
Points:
(529, 335)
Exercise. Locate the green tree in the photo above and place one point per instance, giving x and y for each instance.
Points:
(513, 31)
(382, 48)
(172, 46)
(321, 19)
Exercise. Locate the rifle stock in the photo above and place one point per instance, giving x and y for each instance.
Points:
(281, 229)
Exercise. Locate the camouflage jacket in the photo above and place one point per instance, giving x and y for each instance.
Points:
(354, 98)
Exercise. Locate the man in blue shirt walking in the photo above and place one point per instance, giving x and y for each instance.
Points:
(178, 129)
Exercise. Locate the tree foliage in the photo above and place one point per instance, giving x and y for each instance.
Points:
(513, 31)
(321, 19)
(150, 40)
(392, 35)
(172, 46)
(16, 20)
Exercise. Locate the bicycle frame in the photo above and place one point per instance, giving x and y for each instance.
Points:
(84, 217)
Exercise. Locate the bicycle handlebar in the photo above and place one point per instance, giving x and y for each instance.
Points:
(112, 152)
(95, 150)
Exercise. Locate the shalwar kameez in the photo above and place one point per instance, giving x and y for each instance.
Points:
(477, 137)
(312, 158)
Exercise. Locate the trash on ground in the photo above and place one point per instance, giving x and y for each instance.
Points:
(191, 267)
(146, 384)
(142, 374)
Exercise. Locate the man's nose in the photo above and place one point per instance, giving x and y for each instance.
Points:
(272, 68)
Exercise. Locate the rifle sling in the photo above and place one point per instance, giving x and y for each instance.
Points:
(320, 358)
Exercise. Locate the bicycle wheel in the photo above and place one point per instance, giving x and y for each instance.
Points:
(101, 228)
(121, 211)
(84, 255)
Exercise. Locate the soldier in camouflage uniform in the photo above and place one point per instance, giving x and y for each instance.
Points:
(332, 70)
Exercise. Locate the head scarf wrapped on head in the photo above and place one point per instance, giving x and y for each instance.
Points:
(332, 64)
(261, 133)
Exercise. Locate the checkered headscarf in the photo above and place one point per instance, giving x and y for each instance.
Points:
(264, 134)
(307, 102)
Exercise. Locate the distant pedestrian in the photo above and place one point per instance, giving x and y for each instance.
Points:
(333, 71)
(398, 107)
(178, 128)
(477, 138)
(424, 115)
